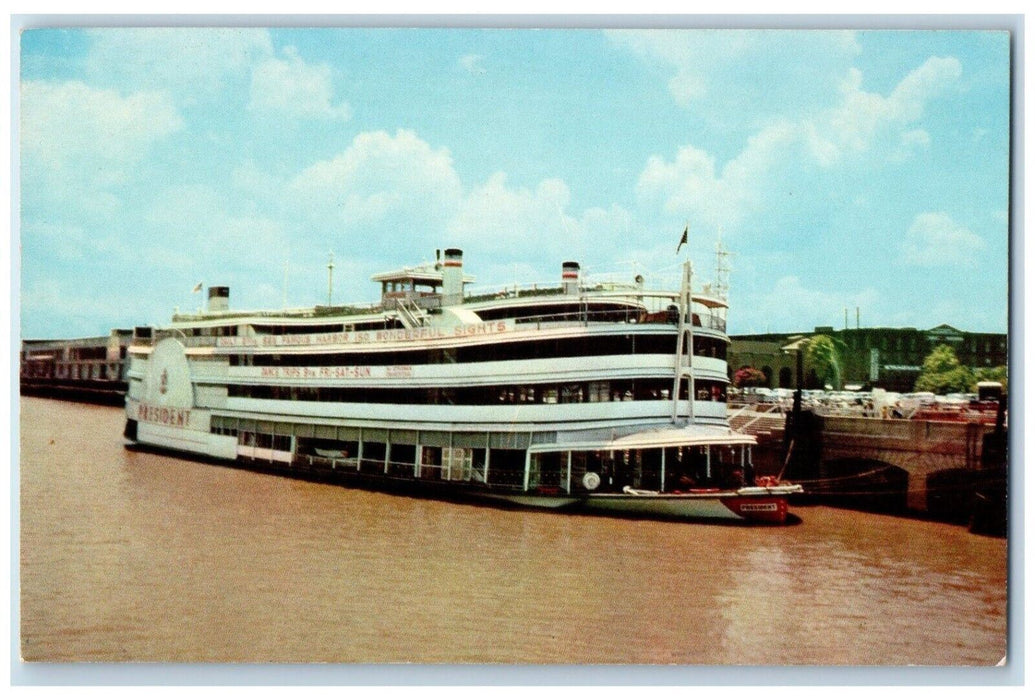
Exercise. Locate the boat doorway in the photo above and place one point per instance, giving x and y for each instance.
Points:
(506, 468)
(548, 472)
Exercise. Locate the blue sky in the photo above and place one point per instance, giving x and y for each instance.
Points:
(842, 169)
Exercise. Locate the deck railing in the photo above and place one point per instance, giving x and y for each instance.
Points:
(582, 318)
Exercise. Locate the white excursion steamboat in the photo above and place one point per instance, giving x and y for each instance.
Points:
(605, 397)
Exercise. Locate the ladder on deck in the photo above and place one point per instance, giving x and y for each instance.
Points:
(411, 315)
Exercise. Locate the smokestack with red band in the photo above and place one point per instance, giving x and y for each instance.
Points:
(219, 298)
(570, 277)
(453, 277)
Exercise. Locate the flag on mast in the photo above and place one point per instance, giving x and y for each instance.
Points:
(682, 241)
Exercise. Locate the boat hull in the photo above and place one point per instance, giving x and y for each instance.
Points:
(721, 505)
(745, 505)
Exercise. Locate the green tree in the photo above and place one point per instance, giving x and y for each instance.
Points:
(942, 373)
(991, 374)
(823, 358)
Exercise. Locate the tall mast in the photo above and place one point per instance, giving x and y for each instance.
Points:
(684, 345)
(679, 347)
(330, 278)
(689, 297)
(686, 335)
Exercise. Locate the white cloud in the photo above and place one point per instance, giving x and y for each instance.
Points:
(379, 176)
(391, 186)
(863, 117)
(472, 63)
(690, 186)
(691, 54)
(295, 88)
(722, 64)
(935, 240)
(694, 185)
(910, 96)
(79, 145)
(505, 217)
(910, 143)
(190, 62)
(66, 127)
(497, 223)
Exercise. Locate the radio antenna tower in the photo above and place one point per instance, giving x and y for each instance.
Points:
(722, 270)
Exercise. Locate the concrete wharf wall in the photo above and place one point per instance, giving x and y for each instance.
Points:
(918, 447)
(832, 448)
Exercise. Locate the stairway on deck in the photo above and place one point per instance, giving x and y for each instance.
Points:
(768, 427)
(763, 425)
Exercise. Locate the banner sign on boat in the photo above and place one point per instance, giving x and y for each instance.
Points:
(345, 372)
(468, 330)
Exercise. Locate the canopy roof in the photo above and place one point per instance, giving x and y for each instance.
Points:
(422, 274)
(689, 436)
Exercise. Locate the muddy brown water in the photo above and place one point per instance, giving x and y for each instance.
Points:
(129, 556)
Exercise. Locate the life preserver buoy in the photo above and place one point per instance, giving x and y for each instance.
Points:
(591, 481)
